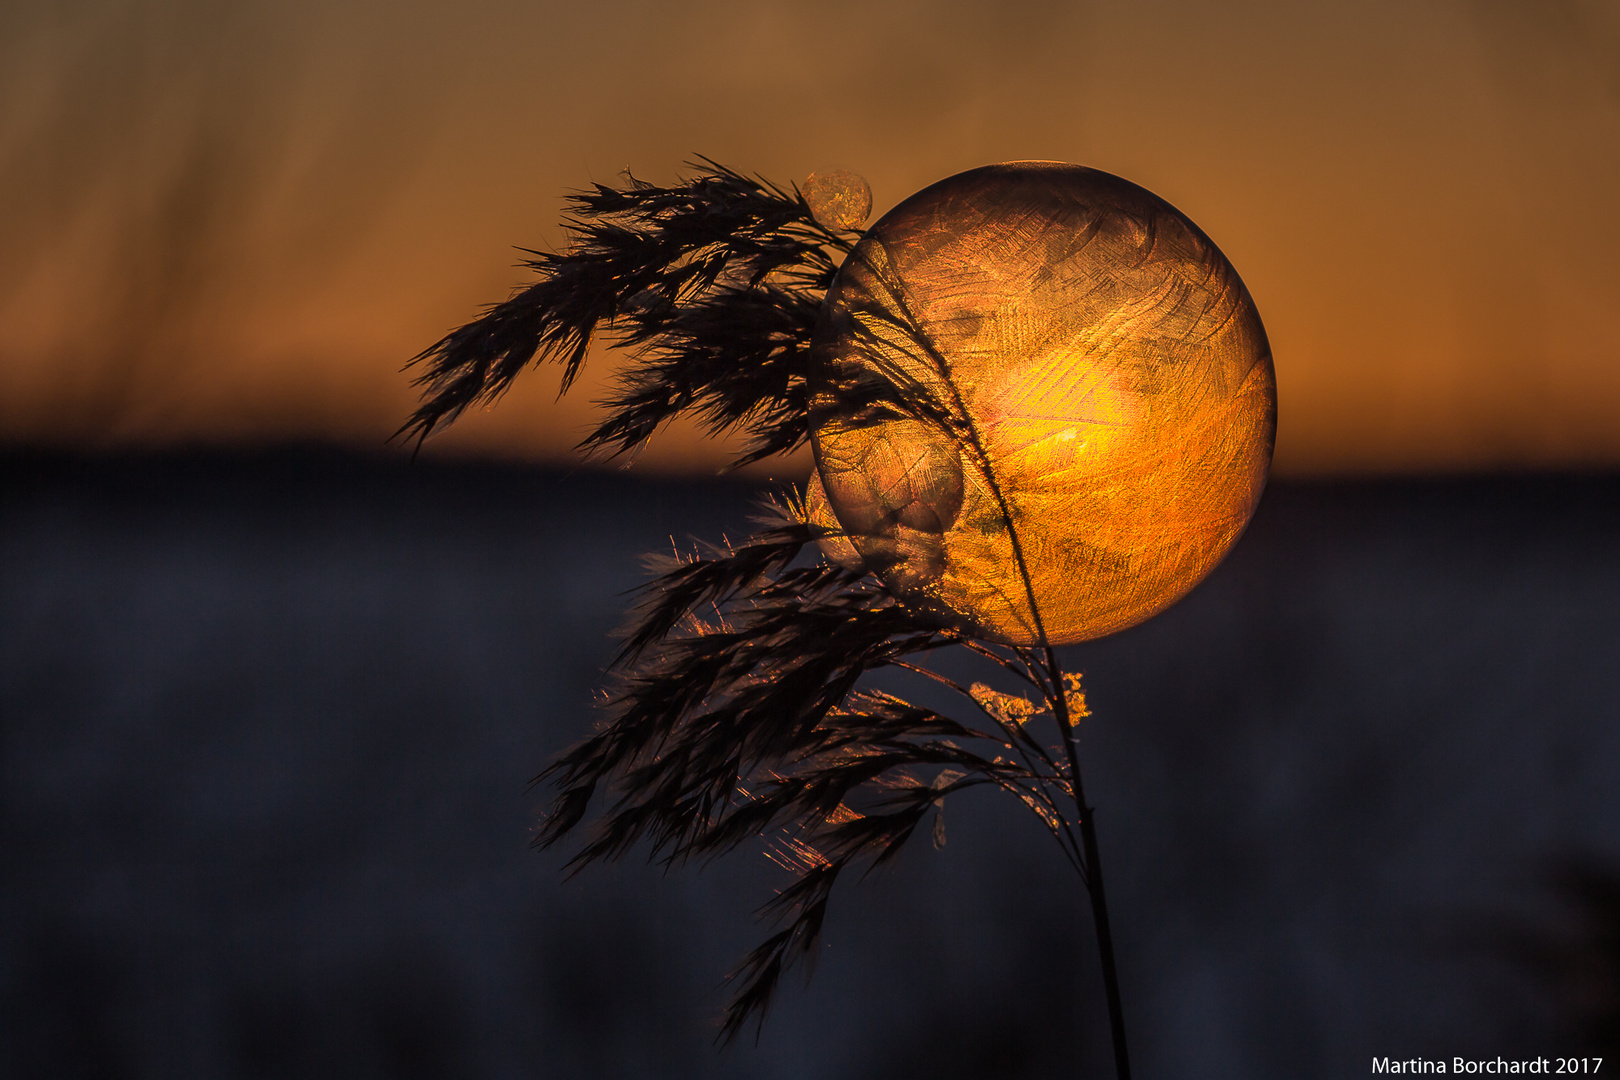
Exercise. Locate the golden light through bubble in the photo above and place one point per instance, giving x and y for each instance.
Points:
(1058, 341)
(840, 200)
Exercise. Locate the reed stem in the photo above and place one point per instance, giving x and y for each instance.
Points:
(1091, 870)
(1093, 876)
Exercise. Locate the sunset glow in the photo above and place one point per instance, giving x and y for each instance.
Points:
(235, 224)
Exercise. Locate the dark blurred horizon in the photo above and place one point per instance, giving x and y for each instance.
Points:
(270, 717)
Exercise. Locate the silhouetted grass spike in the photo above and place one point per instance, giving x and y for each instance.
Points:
(717, 280)
(748, 720)
(737, 707)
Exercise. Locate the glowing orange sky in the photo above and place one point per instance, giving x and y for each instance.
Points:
(235, 222)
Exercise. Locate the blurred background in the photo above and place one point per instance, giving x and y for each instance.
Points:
(273, 693)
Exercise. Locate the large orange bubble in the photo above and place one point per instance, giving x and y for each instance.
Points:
(1039, 378)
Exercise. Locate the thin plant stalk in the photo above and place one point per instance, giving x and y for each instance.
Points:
(1091, 865)
(1092, 876)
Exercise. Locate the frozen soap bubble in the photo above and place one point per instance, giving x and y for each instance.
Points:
(839, 199)
(1051, 347)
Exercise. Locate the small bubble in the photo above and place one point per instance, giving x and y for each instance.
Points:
(839, 199)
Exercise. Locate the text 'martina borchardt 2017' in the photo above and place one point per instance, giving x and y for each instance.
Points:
(1042, 408)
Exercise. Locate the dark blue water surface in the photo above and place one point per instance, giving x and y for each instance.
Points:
(269, 722)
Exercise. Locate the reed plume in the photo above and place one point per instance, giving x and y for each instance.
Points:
(737, 704)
